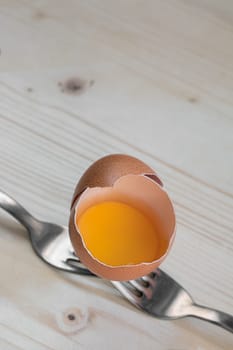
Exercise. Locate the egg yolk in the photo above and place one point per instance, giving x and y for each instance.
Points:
(117, 234)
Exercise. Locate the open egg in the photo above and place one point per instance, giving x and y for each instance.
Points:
(122, 222)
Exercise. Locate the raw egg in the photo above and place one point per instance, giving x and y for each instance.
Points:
(122, 222)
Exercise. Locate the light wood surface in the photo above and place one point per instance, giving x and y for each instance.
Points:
(153, 79)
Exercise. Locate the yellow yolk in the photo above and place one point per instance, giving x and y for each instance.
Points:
(118, 234)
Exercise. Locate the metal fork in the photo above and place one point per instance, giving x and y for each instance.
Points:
(50, 241)
(161, 296)
(157, 293)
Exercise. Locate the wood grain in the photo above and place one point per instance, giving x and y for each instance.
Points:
(79, 80)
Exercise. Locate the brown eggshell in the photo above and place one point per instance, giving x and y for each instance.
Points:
(105, 171)
(116, 177)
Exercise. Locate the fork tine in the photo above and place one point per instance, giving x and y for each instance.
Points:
(64, 266)
(138, 284)
(149, 280)
(74, 265)
(143, 286)
(70, 254)
(68, 267)
(128, 293)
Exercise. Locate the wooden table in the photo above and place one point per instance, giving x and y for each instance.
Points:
(82, 79)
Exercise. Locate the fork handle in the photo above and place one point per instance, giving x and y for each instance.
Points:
(17, 211)
(216, 317)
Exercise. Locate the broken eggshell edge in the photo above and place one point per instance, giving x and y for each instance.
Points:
(123, 272)
(104, 174)
(105, 171)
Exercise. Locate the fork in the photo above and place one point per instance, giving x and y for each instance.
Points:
(50, 241)
(161, 296)
(157, 293)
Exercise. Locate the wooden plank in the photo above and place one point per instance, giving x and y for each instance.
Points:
(152, 79)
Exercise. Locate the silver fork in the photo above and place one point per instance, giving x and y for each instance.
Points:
(157, 293)
(161, 296)
(50, 241)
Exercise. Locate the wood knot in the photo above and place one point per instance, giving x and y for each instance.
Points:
(75, 86)
(192, 99)
(72, 320)
(40, 15)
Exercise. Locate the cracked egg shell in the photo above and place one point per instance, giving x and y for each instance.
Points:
(122, 179)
